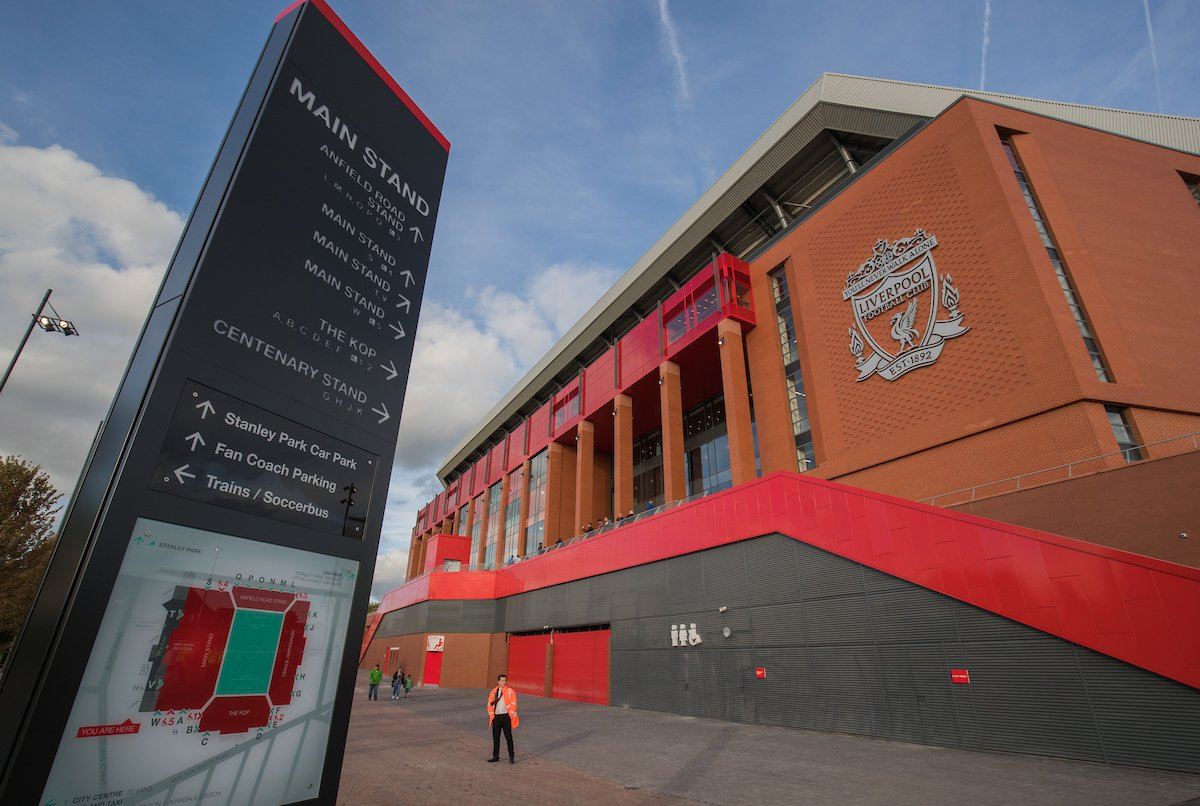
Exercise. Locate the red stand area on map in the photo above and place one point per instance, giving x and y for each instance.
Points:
(290, 653)
(194, 650)
(258, 599)
(236, 714)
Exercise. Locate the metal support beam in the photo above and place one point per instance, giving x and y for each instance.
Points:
(847, 158)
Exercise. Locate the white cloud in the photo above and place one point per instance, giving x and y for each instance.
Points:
(987, 38)
(102, 244)
(463, 363)
(672, 40)
(7, 135)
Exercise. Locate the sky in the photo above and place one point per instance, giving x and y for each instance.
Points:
(580, 131)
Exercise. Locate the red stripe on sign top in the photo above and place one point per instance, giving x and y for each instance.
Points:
(370, 59)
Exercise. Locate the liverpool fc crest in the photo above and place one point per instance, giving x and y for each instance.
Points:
(896, 296)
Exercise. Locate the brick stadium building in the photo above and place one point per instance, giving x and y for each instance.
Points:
(897, 426)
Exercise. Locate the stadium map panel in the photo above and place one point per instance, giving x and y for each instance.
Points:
(216, 650)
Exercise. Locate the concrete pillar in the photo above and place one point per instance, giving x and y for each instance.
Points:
(670, 396)
(737, 400)
(622, 456)
(524, 518)
(585, 459)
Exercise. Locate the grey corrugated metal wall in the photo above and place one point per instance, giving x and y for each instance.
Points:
(847, 648)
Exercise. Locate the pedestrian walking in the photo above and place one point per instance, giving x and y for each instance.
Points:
(502, 717)
(409, 682)
(373, 688)
(397, 681)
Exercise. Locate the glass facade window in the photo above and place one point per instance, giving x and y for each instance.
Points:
(535, 531)
(706, 448)
(647, 471)
(1122, 429)
(566, 409)
(460, 523)
(512, 513)
(806, 457)
(494, 525)
(1058, 264)
(1193, 185)
(477, 530)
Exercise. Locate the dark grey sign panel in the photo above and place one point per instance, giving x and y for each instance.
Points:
(217, 552)
(314, 285)
(228, 452)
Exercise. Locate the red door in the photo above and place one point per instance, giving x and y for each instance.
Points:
(581, 666)
(527, 663)
(433, 668)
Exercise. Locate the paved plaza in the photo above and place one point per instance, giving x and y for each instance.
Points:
(432, 749)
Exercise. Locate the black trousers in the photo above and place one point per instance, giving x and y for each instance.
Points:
(501, 722)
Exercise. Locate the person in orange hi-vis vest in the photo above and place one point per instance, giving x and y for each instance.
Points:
(502, 716)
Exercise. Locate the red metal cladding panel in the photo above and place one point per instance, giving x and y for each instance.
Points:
(495, 463)
(581, 666)
(539, 429)
(639, 352)
(599, 382)
(1137, 609)
(479, 476)
(516, 445)
(527, 663)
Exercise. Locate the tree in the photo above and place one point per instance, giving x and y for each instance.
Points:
(28, 506)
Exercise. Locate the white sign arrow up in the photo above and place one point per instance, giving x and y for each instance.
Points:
(417, 236)
(399, 331)
(382, 412)
(181, 473)
(390, 369)
(195, 439)
(206, 408)
(408, 279)
(404, 303)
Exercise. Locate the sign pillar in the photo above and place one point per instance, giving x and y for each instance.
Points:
(197, 634)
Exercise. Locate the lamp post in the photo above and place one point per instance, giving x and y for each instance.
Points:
(49, 324)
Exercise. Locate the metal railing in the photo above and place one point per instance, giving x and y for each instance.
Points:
(1049, 475)
(608, 527)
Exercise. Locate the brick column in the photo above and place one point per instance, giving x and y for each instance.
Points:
(504, 484)
(585, 459)
(448, 525)
(560, 493)
(670, 398)
(737, 400)
(466, 530)
(524, 518)
(482, 518)
(413, 547)
(622, 456)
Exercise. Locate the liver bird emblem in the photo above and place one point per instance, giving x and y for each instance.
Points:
(902, 326)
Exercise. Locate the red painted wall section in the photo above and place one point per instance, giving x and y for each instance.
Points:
(639, 351)
(581, 666)
(447, 547)
(539, 429)
(527, 663)
(599, 382)
(1138, 609)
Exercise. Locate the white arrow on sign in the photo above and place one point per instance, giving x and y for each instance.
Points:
(181, 473)
(390, 368)
(206, 408)
(408, 279)
(404, 303)
(382, 412)
(417, 236)
(399, 332)
(195, 438)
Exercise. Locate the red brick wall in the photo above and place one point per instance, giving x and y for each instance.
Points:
(1008, 396)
